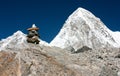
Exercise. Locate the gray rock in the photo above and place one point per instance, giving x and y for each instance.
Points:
(107, 71)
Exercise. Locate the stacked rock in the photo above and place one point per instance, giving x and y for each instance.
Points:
(33, 36)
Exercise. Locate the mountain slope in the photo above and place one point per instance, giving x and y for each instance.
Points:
(82, 28)
(17, 40)
(19, 58)
(116, 36)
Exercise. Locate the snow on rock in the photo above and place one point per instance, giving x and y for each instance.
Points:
(43, 43)
(82, 28)
(17, 40)
(33, 26)
(13, 41)
(116, 36)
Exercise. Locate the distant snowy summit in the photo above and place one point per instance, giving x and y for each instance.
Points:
(17, 41)
(82, 28)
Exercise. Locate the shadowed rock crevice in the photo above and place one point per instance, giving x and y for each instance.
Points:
(84, 48)
(117, 56)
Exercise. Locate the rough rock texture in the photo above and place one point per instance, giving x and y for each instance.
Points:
(33, 61)
(37, 60)
(9, 65)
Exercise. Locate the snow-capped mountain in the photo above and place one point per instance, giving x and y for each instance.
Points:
(82, 28)
(17, 40)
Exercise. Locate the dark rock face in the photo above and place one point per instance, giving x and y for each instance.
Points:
(117, 56)
(84, 48)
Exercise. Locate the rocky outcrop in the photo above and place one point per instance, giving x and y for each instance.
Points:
(31, 62)
(37, 60)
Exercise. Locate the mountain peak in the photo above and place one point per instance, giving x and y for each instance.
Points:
(82, 28)
(13, 41)
(17, 40)
(19, 33)
(84, 15)
(81, 10)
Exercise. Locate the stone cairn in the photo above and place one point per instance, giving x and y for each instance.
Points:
(33, 36)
